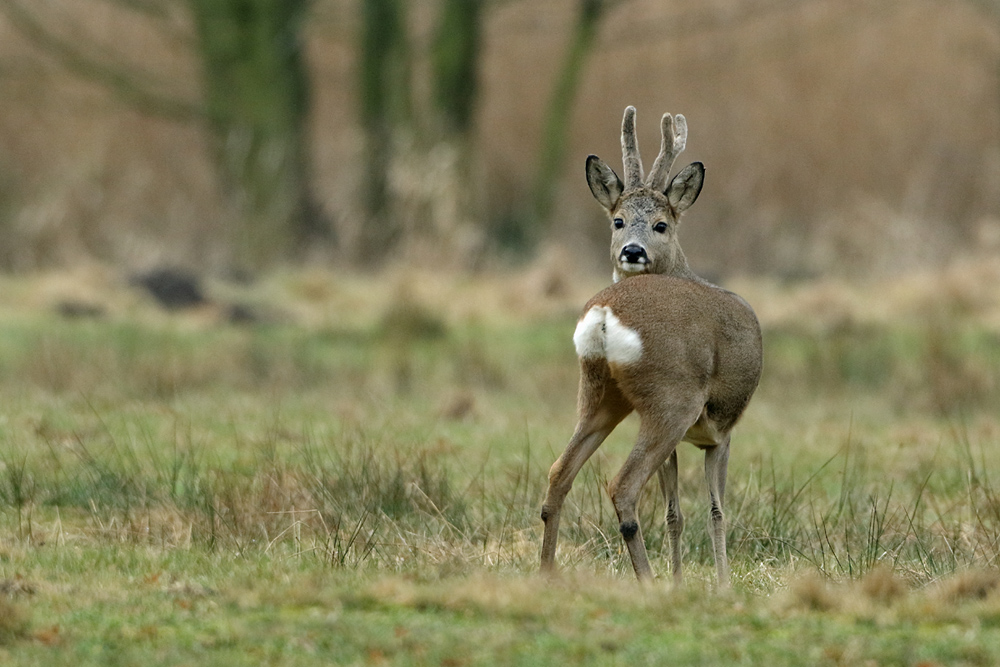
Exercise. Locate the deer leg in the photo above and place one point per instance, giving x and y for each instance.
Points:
(654, 446)
(582, 445)
(667, 474)
(602, 408)
(716, 463)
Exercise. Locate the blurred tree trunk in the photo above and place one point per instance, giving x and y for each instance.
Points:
(555, 132)
(991, 8)
(454, 60)
(417, 181)
(385, 107)
(256, 96)
(455, 64)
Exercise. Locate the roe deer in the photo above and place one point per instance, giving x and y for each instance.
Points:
(681, 352)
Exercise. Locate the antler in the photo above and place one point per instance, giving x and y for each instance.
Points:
(630, 151)
(674, 131)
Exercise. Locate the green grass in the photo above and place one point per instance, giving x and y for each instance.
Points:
(368, 492)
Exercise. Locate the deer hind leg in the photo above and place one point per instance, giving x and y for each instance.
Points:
(602, 408)
(656, 443)
(667, 474)
(716, 463)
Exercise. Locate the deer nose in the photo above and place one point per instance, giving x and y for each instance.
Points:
(634, 254)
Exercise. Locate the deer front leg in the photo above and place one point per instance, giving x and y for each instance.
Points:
(601, 407)
(667, 474)
(582, 445)
(716, 464)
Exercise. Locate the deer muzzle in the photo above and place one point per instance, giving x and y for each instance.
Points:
(633, 257)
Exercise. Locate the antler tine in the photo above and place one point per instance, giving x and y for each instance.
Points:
(630, 151)
(673, 131)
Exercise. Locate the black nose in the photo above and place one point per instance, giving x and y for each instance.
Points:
(633, 254)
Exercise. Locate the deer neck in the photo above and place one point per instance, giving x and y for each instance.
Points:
(678, 266)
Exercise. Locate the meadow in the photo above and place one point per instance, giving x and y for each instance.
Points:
(354, 477)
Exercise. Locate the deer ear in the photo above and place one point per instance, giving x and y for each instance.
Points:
(686, 186)
(603, 182)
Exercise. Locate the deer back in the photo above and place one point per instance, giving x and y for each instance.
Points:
(668, 339)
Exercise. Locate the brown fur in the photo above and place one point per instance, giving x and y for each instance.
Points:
(691, 377)
(699, 341)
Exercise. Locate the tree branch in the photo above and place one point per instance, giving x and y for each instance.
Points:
(122, 83)
(159, 9)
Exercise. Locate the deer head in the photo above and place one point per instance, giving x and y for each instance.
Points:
(645, 212)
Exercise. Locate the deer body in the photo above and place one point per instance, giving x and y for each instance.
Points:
(683, 354)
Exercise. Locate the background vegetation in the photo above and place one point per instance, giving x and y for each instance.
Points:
(140, 133)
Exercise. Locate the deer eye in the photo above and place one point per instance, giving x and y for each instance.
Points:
(660, 227)
(619, 223)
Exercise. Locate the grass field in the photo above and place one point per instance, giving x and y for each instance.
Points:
(356, 479)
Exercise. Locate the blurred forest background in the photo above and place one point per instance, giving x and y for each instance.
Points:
(841, 137)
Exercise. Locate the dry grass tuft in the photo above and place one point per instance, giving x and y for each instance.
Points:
(13, 617)
(883, 586)
(188, 589)
(879, 590)
(16, 586)
(525, 597)
(964, 289)
(976, 584)
(407, 320)
(810, 591)
(13, 621)
(460, 407)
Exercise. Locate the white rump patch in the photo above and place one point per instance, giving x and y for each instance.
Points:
(589, 335)
(623, 345)
(601, 334)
